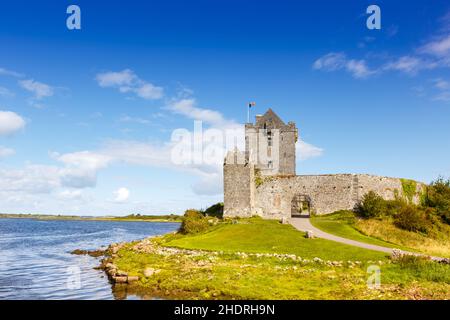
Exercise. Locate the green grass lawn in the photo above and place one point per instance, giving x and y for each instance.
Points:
(219, 272)
(269, 236)
(341, 224)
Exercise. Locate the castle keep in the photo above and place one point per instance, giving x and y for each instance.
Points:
(262, 179)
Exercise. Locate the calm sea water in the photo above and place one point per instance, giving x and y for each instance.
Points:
(35, 259)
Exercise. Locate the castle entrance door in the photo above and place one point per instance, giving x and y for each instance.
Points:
(300, 206)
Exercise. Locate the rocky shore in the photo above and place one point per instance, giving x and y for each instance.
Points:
(114, 274)
(202, 258)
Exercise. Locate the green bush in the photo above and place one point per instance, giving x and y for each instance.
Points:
(427, 218)
(412, 218)
(394, 206)
(372, 205)
(193, 222)
(438, 197)
(215, 210)
(193, 213)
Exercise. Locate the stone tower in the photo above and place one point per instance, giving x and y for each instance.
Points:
(269, 150)
(270, 144)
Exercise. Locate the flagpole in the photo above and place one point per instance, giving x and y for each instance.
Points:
(248, 113)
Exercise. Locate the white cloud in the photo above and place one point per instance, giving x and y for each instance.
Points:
(148, 91)
(338, 61)
(359, 69)
(116, 79)
(443, 96)
(441, 84)
(127, 81)
(6, 152)
(39, 89)
(434, 54)
(6, 72)
(121, 195)
(10, 122)
(330, 62)
(187, 107)
(307, 151)
(409, 64)
(32, 179)
(209, 168)
(443, 90)
(439, 47)
(81, 168)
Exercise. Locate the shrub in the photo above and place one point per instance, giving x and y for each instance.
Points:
(215, 210)
(394, 206)
(193, 213)
(193, 222)
(438, 197)
(411, 218)
(372, 205)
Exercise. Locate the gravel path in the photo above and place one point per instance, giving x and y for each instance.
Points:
(303, 224)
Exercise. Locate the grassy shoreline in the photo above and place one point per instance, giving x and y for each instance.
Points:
(263, 259)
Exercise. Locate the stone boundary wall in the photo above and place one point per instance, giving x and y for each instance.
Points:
(327, 193)
(387, 187)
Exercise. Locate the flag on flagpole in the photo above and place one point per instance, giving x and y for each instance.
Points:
(250, 105)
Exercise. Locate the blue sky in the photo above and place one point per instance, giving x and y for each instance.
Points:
(86, 116)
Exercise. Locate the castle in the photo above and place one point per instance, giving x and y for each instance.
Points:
(262, 180)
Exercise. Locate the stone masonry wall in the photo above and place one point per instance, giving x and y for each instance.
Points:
(386, 187)
(239, 188)
(327, 193)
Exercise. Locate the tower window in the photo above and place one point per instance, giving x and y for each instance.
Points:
(270, 164)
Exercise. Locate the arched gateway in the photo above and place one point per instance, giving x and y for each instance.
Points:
(301, 206)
